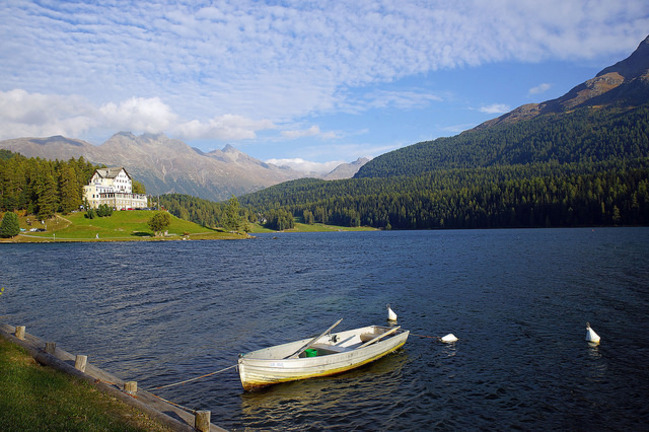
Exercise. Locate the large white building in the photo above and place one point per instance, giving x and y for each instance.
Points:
(114, 187)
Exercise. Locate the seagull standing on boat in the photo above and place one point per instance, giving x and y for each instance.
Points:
(391, 315)
(591, 336)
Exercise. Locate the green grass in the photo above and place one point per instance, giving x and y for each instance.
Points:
(132, 226)
(38, 398)
(122, 226)
(318, 227)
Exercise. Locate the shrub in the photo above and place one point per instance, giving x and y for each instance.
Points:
(9, 227)
(104, 210)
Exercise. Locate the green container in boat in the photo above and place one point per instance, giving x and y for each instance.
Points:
(310, 352)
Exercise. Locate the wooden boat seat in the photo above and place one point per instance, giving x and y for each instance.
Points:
(365, 337)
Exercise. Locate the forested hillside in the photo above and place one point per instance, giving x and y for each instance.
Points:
(197, 210)
(584, 135)
(227, 215)
(42, 187)
(533, 195)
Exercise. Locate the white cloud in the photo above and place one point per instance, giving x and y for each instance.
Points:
(541, 88)
(25, 114)
(228, 127)
(138, 114)
(398, 99)
(300, 164)
(313, 131)
(495, 109)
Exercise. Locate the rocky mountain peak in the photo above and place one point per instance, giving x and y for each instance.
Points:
(625, 83)
(634, 66)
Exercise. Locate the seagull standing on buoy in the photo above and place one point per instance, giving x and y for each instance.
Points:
(591, 336)
(391, 315)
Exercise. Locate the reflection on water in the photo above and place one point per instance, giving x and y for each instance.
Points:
(518, 300)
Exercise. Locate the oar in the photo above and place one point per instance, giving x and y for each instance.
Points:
(301, 350)
(379, 337)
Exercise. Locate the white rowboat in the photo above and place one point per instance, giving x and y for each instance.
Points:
(334, 353)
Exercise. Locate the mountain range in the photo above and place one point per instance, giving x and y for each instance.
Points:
(166, 165)
(600, 118)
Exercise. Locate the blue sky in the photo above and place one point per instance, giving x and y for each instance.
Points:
(306, 83)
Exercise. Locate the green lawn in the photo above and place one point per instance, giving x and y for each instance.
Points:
(122, 225)
(38, 398)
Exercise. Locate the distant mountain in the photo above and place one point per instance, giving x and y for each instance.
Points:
(166, 165)
(603, 118)
(347, 170)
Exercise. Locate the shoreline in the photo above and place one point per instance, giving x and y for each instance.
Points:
(24, 238)
(164, 411)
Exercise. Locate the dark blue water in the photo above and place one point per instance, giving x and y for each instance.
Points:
(518, 300)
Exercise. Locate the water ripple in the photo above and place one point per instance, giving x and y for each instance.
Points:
(518, 300)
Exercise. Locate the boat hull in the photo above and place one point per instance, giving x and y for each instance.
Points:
(270, 366)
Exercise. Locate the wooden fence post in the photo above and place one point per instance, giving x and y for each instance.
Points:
(202, 422)
(80, 362)
(50, 347)
(130, 387)
(20, 332)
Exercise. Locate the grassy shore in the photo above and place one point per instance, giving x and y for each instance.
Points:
(121, 226)
(132, 226)
(38, 398)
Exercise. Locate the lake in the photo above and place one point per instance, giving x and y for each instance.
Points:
(518, 300)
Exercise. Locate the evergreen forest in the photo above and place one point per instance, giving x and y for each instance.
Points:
(42, 187)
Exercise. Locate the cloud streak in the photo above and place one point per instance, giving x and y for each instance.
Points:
(495, 109)
(541, 88)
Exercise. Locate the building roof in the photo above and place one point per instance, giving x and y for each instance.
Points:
(110, 172)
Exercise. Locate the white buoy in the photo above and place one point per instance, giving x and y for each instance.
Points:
(449, 338)
(591, 336)
(391, 315)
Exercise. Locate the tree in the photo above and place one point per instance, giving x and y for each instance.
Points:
(232, 218)
(9, 226)
(69, 189)
(309, 219)
(159, 221)
(138, 188)
(46, 197)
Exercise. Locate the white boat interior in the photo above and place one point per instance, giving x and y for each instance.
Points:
(326, 345)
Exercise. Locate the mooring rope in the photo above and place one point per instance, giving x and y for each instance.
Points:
(189, 410)
(194, 379)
